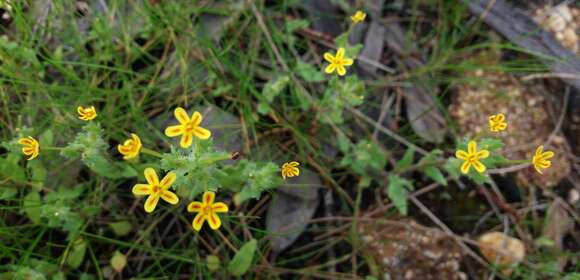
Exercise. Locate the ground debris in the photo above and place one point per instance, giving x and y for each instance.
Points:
(406, 250)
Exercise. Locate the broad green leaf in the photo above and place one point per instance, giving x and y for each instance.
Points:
(406, 161)
(242, 261)
(32, 208)
(452, 166)
(397, 192)
(76, 254)
(436, 175)
(121, 228)
(213, 262)
(46, 138)
(118, 261)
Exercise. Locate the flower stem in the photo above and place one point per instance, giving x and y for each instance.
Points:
(151, 152)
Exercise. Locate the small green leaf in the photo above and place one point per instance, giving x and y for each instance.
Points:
(121, 228)
(31, 207)
(490, 144)
(406, 161)
(274, 87)
(398, 193)
(308, 72)
(293, 25)
(213, 262)
(452, 166)
(46, 138)
(76, 254)
(436, 175)
(118, 261)
(242, 261)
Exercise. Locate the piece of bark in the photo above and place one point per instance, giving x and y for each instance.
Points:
(523, 31)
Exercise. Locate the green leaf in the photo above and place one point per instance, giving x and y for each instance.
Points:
(213, 262)
(263, 108)
(293, 25)
(31, 207)
(46, 138)
(106, 168)
(118, 261)
(11, 169)
(490, 144)
(121, 228)
(436, 175)
(452, 166)
(7, 192)
(406, 161)
(308, 72)
(274, 87)
(242, 261)
(398, 193)
(76, 254)
(343, 143)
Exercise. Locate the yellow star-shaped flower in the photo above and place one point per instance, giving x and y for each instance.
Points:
(472, 157)
(541, 159)
(187, 128)
(206, 211)
(337, 62)
(497, 123)
(156, 189)
(131, 147)
(31, 147)
(359, 16)
(290, 169)
(87, 114)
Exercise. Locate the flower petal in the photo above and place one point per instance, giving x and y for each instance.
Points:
(170, 197)
(293, 163)
(174, 130)
(500, 117)
(151, 176)
(340, 70)
(194, 206)
(151, 203)
(347, 62)
(196, 118)
(167, 180)
(141, 189)
(186, 140)
(548, 155)
(328, 57)
(219, 207)
(25, 141)
(201, 132)
(330, 68)
(208, 197)
(539, 150)
(465, 167)
(214, 221)
(198, 221)
(181, 115)
(472, 147)
(482, 154)
(460, 154)
(339, 54)
(479, 166)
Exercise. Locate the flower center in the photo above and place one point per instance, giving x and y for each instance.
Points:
(207, 209)
(472, 158)
(189, 126)
(155, 189)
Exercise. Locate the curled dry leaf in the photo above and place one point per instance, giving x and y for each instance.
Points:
(502, 250)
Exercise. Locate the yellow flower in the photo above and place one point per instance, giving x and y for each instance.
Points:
(541, 159)
(359, 16)
(87, 114)
(131, 148)
(156, 189)
(337, 62)
(497, 123)
(206, 210)
(187, 127)
(472, 157)
(290, 169)
(31, 147)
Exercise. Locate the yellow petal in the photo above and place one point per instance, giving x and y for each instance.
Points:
(548, 155)
(34, 155)
(181, 115)
(500, 117)
(201, 132)
(340, 70)
(465, 167)
(167, 180)
(151, 176)
(196, 118)
(482, 154)
(141, 189)
(479, 166)
(296, 172)
(328, 57)
(347, 62)
(293, 163)
(538, 169)
(198, 221)
(80, 110)
(339, 54)
(195, 206)
(471, 147)
(460, 154)
(283, 173)
(208, 198)
(25, 141)
(214, 221)
(330, 68)
(174, 130)
(219, 207)
(539, 150)
(186, 140)
(151, 203)
(170, 197)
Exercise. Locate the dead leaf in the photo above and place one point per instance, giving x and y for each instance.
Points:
(291, 208)
(558, 223)
(372, 48)
(502, 250)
